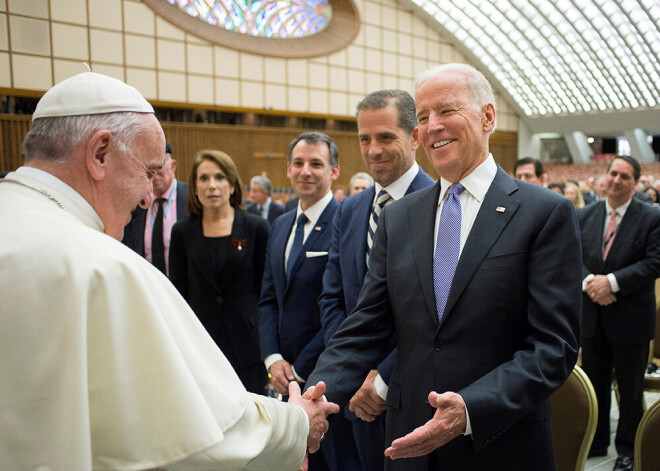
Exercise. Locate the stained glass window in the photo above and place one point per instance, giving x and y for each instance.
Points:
(282, 19)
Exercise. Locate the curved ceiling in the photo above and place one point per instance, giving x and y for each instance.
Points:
(586, 63)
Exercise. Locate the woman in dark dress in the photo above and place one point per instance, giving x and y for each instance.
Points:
(217, 261)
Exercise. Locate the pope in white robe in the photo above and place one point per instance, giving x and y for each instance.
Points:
(104, 366)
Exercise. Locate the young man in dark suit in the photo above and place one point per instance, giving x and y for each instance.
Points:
(388, 142)
(289, 320)
(486, 317)
(621, 260)
(168, 208)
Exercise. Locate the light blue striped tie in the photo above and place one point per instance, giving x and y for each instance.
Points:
(447, 248)
(383, 198)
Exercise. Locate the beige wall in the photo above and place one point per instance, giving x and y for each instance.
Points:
(45, 41)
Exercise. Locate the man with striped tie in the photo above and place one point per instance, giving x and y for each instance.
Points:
(621, 260)
(388, 141)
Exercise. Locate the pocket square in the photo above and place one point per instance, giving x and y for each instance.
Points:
(315, 254)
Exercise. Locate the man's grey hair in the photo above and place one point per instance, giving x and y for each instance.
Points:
(402, 101)
(263, 182)
(56, 139)
(482, 92)
(315, 138)
(362, 175)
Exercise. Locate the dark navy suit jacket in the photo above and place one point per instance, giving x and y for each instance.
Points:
(507, 340)
(275, 211)
(289, 318)
(347, 267)
(134, 230)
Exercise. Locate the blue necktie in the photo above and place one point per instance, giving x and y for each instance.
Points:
(447, 248)
(297, 246)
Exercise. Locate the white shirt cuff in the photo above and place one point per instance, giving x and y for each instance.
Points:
(381, 387)
(589, 277)
(613, 283)
(298, 378)
(468, 425)
(272, 358)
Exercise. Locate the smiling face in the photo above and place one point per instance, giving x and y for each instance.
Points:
(620, 183)
(310, 171)
(130, 178)
(452, 129)
(387, 151)
(213, 188)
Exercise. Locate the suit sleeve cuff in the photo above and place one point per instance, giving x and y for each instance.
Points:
(381, 387)
(298, 378)
(613, 283)
(588, 278)
(272, 358)
(468, 425)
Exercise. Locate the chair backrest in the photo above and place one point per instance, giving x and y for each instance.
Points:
(574, 416)
(647, 440)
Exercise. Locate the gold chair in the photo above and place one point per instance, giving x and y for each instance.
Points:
(647, 440)
(574, 416)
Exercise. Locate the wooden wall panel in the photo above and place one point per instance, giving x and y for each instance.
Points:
(13, 129)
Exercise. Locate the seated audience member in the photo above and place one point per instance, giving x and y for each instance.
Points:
(557, 187)
(573, 193)
(104, 364)
(217, 259)
(150, 229)
(359, 182)
(262, 202)
(530, 170)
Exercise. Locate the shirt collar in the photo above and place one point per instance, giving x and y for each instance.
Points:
(266, 205)
(397, 189)
(620, 211)
(314, 212)
(58, 185)
(477, 182)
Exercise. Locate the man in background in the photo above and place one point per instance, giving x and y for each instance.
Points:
(621, 260)
(104, 364)
(388, 142)
(530, 170)
(360, 182)
(261, 190)
(148, 232)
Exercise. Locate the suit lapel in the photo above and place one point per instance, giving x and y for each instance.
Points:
(487, 228)
(280, 239)
(360, 226)
(421, 234)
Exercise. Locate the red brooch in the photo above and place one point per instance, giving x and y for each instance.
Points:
(239, 244)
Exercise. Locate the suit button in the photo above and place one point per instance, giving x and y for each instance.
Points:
(438, 346)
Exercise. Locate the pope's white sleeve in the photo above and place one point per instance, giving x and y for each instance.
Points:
(270, 436)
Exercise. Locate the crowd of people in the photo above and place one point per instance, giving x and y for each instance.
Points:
(400, 324)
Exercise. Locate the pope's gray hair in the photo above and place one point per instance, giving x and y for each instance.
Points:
(56, 139)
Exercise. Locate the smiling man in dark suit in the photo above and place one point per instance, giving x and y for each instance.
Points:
(621, 246)
(485, 317)
(289, 320)
(388, 141)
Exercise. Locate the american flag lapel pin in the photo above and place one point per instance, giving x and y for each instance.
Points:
(317, 228)
(500, 209)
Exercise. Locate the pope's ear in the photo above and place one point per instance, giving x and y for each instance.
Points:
(96, 153)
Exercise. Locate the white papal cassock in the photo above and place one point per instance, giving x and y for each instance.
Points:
(103, 365)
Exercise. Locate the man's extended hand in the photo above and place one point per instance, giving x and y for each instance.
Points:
(448, 422)
(366, 403)
(316, 409)
(600, 290)
(281, 374)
